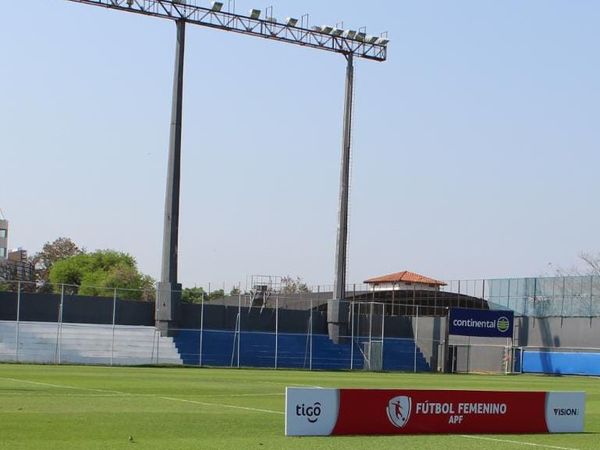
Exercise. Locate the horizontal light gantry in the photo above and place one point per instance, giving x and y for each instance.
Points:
(347, 42)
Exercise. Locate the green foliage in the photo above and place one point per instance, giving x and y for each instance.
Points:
(52, 252)
(99, 273)
(291, 285)
(219, 293)
(235, 291)
(193, 295)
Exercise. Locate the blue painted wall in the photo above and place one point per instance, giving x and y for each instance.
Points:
(293, 351)
(563, 363)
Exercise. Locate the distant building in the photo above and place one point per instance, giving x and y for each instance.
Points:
(411, 294)
(405, 280)
(20, 265)
(3, 239)
(14, 266)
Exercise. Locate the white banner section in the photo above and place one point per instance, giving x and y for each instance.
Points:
(565, 412)
(310, 412)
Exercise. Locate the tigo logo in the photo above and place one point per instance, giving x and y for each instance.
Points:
(398, 410)
(311, 413)
(503, 324)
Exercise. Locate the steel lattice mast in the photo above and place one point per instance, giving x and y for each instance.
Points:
(351, 44)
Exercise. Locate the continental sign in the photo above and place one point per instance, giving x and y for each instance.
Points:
(319, 412)
(481, 322)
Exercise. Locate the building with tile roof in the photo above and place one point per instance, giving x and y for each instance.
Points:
(404, 280)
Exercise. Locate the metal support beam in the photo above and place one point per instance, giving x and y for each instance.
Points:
(169, 291)
(358, 44)
(336, 314)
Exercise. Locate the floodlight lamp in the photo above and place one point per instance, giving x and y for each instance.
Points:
(336, 32)
(291, 22)
(254, 13)
(317, 28)
(371, 39)
(360, 36)
(217, 6)
(326, 29)
(350, 34)
(383, 41)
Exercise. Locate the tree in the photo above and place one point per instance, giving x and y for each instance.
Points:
(592, 262)
(193, 295)
(196, 294)
(591, 266)
(290, 285)
(219, 293)
(51, 253)
(576, 291)
(100, 273)
(235, 291)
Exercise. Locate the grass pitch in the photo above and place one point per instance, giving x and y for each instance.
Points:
(61, 407)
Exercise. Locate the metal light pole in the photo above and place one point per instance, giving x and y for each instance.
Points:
(349, 43)
(337, 308)
(169, 290)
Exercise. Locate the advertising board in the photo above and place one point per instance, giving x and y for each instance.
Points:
(322, 412)
(481, 322)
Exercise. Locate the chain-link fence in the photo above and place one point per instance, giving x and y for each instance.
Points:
(273, 330)
(565, 296)
(58, 326)
(404, 330)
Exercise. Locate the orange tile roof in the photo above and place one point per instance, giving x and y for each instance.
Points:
(404, 276)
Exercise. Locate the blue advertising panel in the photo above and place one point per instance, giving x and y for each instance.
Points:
(481, 322)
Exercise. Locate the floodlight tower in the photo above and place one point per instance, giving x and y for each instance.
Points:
(349, 43)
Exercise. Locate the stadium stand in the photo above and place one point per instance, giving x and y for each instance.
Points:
(219, 348)
(44, 342)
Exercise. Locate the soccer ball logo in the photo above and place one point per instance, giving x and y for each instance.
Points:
(398, 410)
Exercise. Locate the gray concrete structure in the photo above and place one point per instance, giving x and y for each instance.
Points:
(337, 308)
(168, 289)
(3, 239)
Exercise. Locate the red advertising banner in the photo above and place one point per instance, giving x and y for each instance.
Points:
(311, 411)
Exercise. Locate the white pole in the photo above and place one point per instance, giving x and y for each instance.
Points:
(59, 325)
(310, 355)
(157, 346)
(276, 328)
(382, 334)
(508, 356)
(112, 344)
(371, 332)
(416, 339)
(239, 327)
(201, 328)
(18, 320)
(352, 336)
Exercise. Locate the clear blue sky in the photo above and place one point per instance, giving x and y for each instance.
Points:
(476, 145)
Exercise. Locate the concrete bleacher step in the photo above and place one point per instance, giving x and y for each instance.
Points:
(293, 349)
(85, 344)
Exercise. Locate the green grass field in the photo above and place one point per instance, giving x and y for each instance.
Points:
(100, 407)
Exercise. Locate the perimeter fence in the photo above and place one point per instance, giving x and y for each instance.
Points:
(403, 331)
(277, 331)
